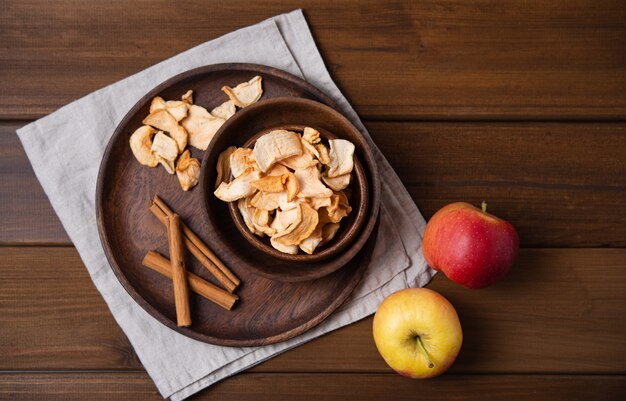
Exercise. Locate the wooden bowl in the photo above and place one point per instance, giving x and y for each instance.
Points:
(349, 226)
(242, 130)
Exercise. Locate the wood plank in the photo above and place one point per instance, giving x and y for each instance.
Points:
(558, 311)
(259, 386)
(561, 185)
(53, 316)
(394, 59)
(26, 215)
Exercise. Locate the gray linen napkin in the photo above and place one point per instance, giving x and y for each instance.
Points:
(65, 149)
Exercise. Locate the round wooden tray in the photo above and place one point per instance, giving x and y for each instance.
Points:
(268, 311)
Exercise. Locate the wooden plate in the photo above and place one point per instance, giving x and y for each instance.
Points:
(268, 311)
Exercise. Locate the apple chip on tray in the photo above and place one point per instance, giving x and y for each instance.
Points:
(290, 187)
(172, 125)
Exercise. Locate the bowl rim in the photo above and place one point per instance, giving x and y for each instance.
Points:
(368, 162)
(349, 233)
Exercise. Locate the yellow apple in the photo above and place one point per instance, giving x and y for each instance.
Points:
(417, 332)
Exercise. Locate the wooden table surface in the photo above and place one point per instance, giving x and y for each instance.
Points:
(520, 103)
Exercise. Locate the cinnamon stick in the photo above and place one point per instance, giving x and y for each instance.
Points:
(179, 274)
(162, 216)
(161, 265)
(199, 244)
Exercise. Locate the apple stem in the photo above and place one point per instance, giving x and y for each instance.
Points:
(421, 345)
(484, 206)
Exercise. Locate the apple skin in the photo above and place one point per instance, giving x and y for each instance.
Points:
(412, 315)
(470, 246)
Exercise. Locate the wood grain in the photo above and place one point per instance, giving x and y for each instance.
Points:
(552, 181)
(261, 386)
(558, 311)
(50, 311)
(560, 185)
(26, 215)
(427, 60)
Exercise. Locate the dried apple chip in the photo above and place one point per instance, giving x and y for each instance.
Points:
(275, 146)
(323, 155)
(284, 223)
(266, 200)
(302, 230)
(339, 207)
(328, 232)
(165, 151)
(238, 188)
(307, 147)
(246, 212)
(187, 97)
(276, 223)
(277, 169)
(157, 104)
(242, 160)
(299, 162)
(187, 170)
(176, 108)
(323, 216)
(141, 146)
(284, 204)
(310, 184)
(286, 220)
(288, 249)
(167, 164)
(341, 157)
(304, 160)
(338, 183)
(261, 221)
(343, 199)
(164, 147)
(272, 200)
(223, 165)
(201, 126)
(164, 121)
(225, 110)
(309, 244)
(270, 183)
(311, 135)
(245, 93)
(318, 203)
(292, 184)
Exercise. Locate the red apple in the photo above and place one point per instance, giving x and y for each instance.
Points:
(470, 246)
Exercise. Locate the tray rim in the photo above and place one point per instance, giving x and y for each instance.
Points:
(119, 274)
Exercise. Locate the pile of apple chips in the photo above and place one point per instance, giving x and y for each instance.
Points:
(290, 187)
(174, 124)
